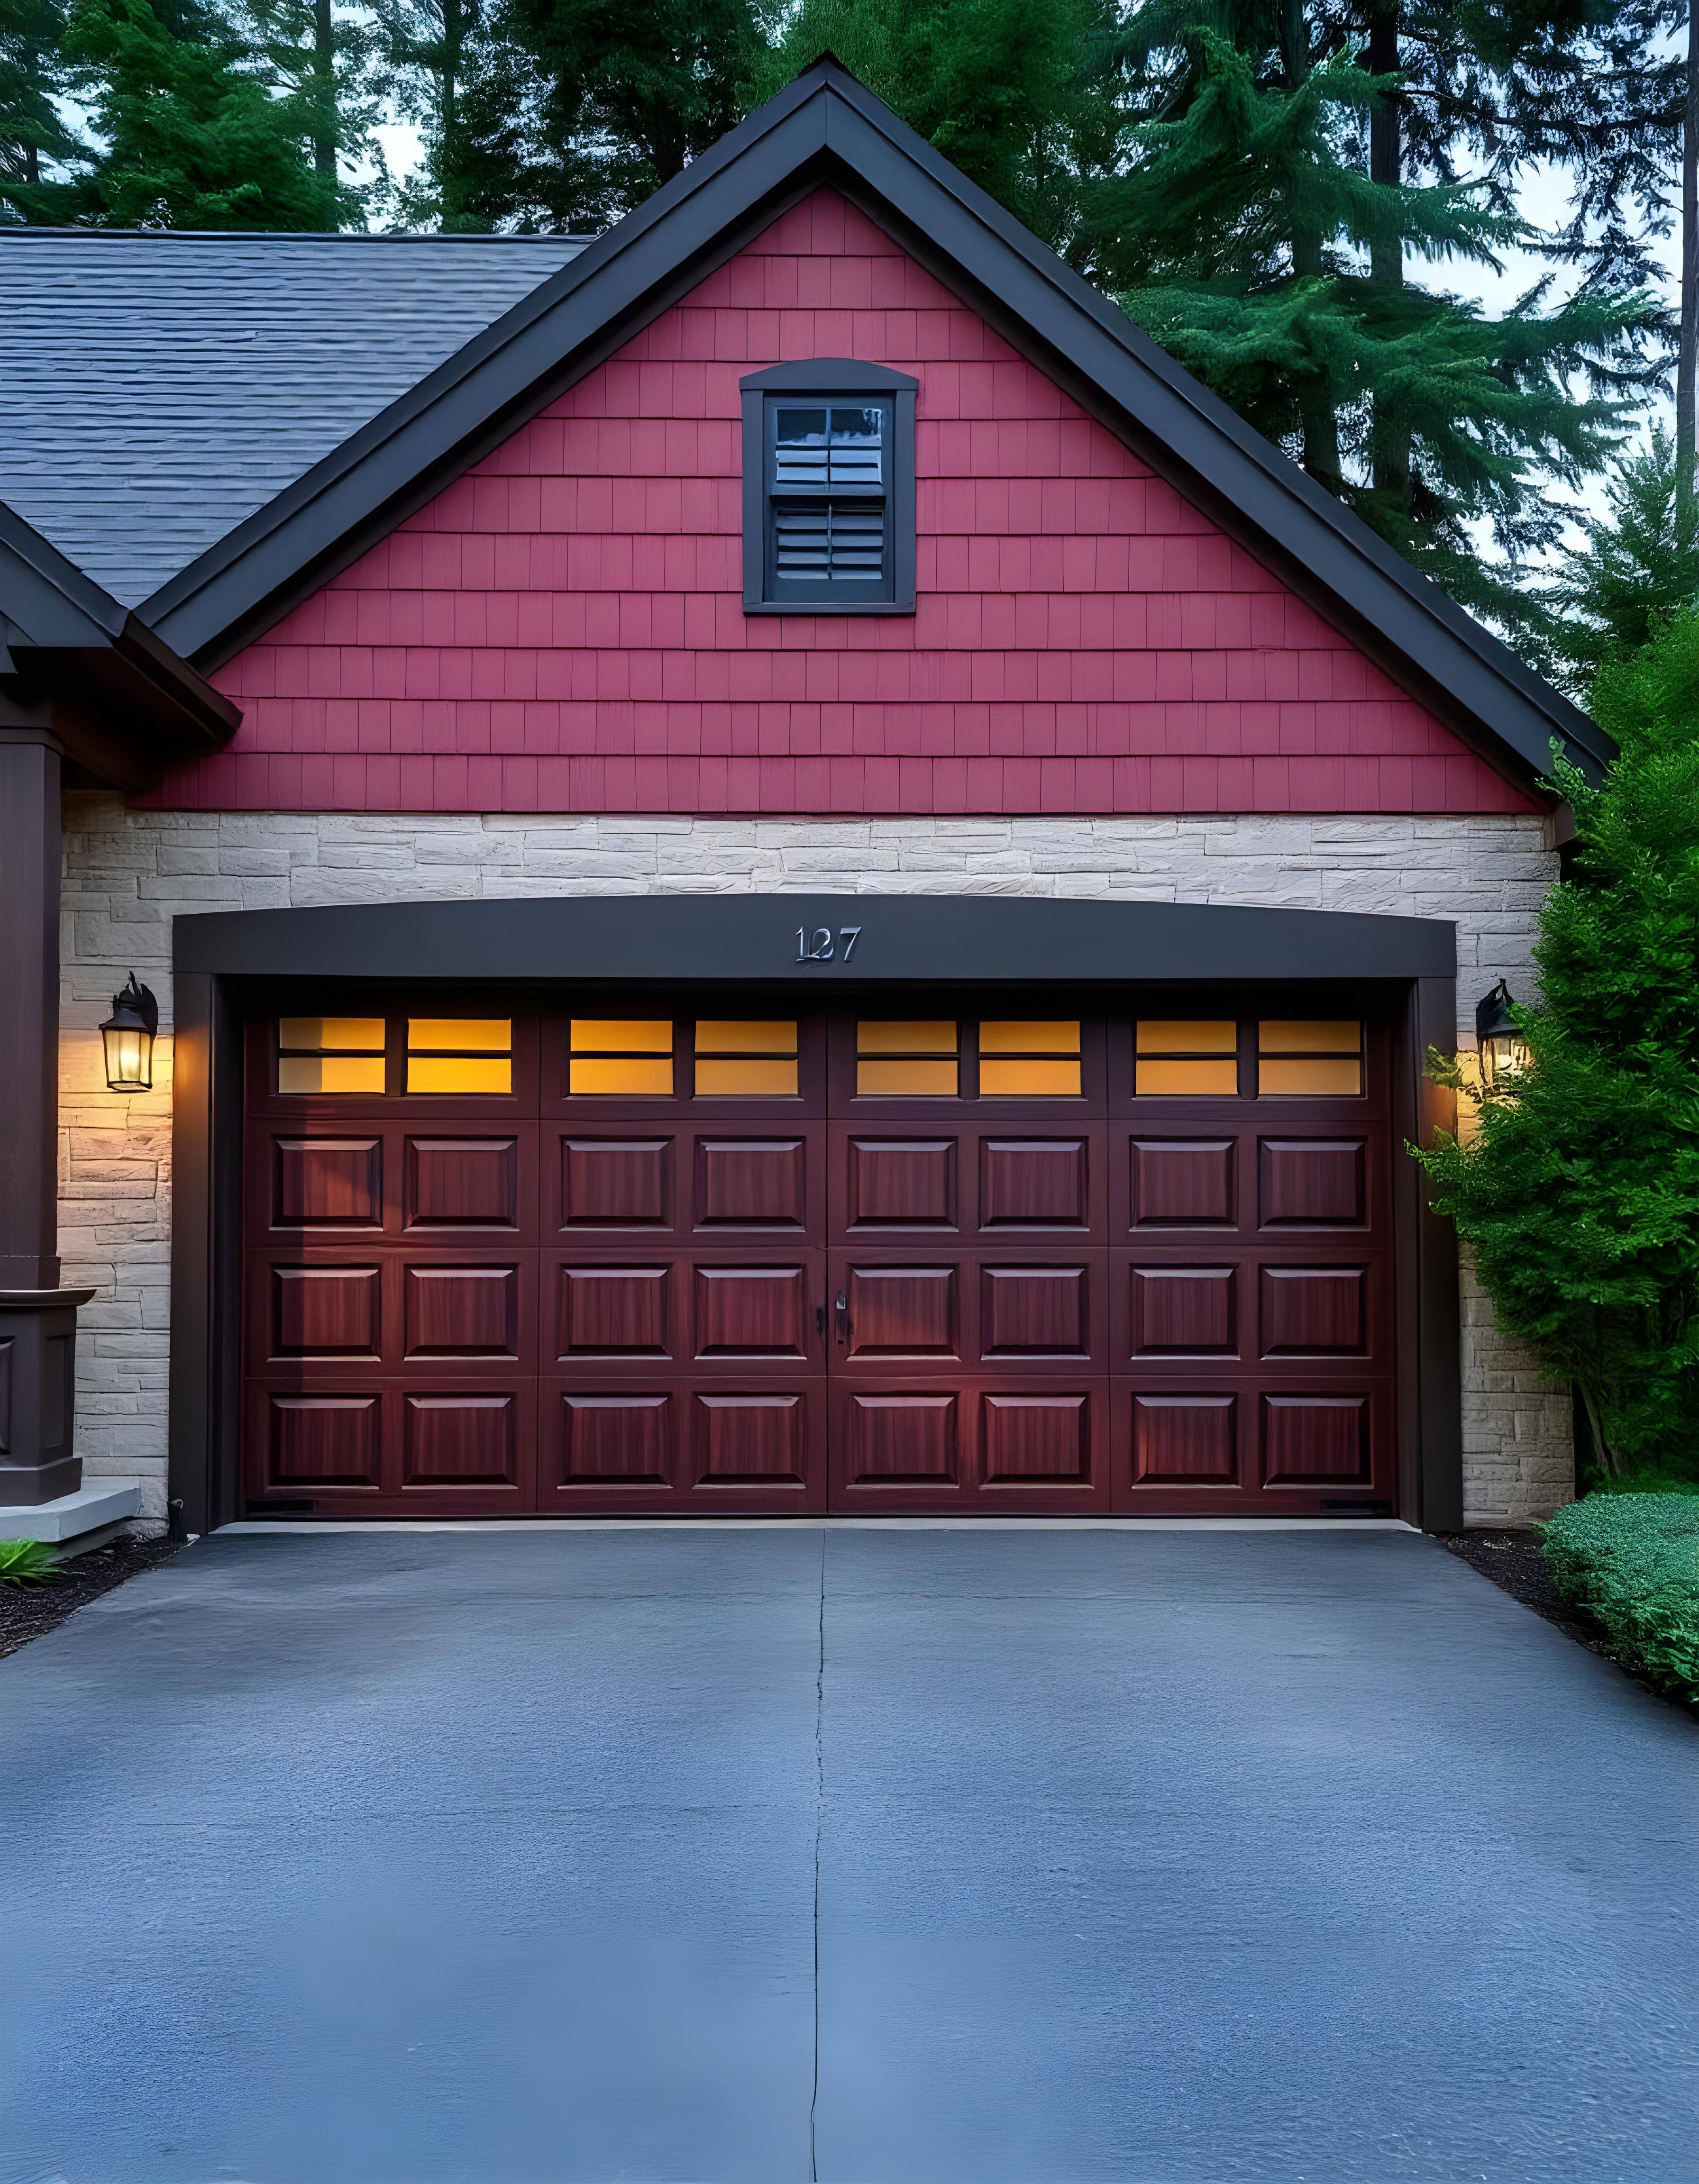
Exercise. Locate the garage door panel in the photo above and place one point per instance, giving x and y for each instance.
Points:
(895, 1183)
(1035, 1438)
(752, 1311)
(904, 1438)
(1315, 1310)
(1318, 1439)
(312, 1440)
(1187, 1438)
(750, 1437)
(752, 1182)
(676, 1443)
(381, 1446)
(928, 1445)
(1030, 1311)
(322, 1311)
(456, 1183)
(615, 1438)
(901, 1310)
(464, 1438)
(608, 1183)
(320, 1180)
(1181, 1309)
(1182, 1181)
(1313, 1183)
(607, 1310)
(334, 1312)
(464, 1312)
(1036, 1183)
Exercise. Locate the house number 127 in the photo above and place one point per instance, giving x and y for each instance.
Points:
(817, 947)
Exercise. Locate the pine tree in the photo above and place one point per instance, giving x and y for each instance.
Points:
(1246, 236)
(1495, 89)
(1635, 568)
(194, 134)
(436, 51)
(563, 114)
(331, 58)
(998, 86)
(1578, 1191)
(37, 146)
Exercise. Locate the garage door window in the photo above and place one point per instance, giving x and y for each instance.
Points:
(330, 1054)
(621, 1058)
(1308, 1060)
(460, 1054)
(739, 1058)
(906, 1060)
(1029, 1060)
(1195, 1060)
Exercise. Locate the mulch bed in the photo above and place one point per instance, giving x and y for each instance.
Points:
(1513, 1561)
(31, 1611)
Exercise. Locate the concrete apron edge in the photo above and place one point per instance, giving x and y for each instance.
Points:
(249, 1528)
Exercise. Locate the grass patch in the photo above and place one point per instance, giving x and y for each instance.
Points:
(1631, 1562)
(28, 1562)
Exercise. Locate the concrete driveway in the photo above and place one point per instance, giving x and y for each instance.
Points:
(860, 1854)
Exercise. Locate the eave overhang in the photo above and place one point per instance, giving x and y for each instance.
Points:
(826, 127)
(122, 704)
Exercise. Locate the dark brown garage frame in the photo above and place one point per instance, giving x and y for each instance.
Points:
(225, 964)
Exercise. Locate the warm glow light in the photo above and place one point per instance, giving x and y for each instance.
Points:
(1504, 1051)
(128, 1036)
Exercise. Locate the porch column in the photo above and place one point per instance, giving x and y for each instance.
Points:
(37, 1317)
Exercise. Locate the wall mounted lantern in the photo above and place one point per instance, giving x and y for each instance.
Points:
(128, 1035)
(1504, 1050)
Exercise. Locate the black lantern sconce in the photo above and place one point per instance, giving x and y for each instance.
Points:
(128, 1035)
(1504, 1050)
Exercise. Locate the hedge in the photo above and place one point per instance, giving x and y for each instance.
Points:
(1631, 1562)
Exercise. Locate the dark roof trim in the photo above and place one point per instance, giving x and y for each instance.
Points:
(827, 126)
(848, 372)
(124, 704)
(957, 939)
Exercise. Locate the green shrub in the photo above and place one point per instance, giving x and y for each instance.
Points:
(1631, 1561)
(27, 1562)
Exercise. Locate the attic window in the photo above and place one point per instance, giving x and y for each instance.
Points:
(828, 488)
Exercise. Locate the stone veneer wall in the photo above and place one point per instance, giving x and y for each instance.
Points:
(129, 874)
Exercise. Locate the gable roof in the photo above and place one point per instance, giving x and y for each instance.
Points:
(122, 703)
(162, 387)
(827, 128)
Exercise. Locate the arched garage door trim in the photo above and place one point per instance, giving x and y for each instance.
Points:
(806, 943)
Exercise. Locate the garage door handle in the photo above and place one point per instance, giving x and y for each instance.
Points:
(843, 1312)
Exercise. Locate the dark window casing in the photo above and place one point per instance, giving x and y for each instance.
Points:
(828, 488)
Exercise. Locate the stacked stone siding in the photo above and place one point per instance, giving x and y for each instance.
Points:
(128, 874)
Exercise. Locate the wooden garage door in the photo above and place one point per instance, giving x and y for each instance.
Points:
(519, 1263)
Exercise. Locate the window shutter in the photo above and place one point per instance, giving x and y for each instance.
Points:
(828, 502)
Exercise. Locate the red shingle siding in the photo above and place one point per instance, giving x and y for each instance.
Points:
(562, 629)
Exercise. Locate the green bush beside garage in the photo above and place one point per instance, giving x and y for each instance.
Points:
(1631, 1562)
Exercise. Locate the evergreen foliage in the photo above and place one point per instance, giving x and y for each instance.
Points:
(1252, 242)
(1000, 86)
(1631, 1561)
(1637, 565)
(1578, 1191)
(563, 114)
(194, 135)
(36, 143)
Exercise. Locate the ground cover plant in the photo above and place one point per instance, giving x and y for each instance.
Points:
(27, 1562)
(1631, 1563)
(30, 1611)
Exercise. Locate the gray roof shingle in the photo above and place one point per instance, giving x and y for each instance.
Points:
(160, 388)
